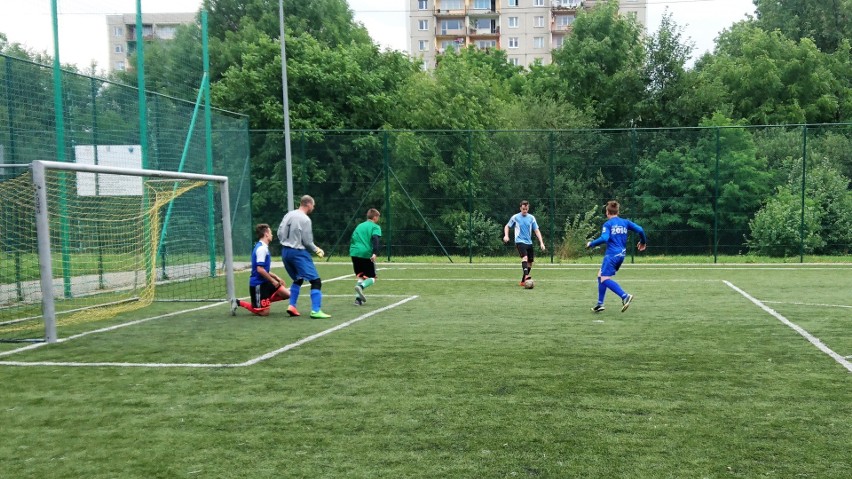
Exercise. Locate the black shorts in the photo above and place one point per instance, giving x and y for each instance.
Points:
(526, 250)
(261, 293)
(363, 267)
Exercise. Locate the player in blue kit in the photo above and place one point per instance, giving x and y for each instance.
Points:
(614, 234)
(265, 287)
(525, 225)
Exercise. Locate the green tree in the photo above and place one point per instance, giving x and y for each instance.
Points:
(777, 229)
(599, 67)
(685, 197)
(826, 22)
(673, 95)
(771, 79)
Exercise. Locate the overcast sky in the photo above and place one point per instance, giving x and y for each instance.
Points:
(83, 35)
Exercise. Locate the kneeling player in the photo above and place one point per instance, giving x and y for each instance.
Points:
(265, 287)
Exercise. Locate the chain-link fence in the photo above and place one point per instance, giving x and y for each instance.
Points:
(100, 122)
(709, 192)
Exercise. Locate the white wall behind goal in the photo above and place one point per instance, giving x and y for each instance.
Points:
(123, 156)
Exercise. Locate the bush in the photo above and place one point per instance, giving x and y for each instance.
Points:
(776, 228)
(578, 231)
(481, 233)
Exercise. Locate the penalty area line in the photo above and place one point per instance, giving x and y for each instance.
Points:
(795, 327)
(250, 362)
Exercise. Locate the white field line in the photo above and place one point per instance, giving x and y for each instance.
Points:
(480, 266)
(815, 341)
(542, 263)
(110, 328)
(548, 280)
(272, 354)
(250, 362)
(131, 323)
(810, 304)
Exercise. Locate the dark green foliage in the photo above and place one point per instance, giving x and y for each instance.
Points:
(827, 22)
(579, 230)
(476, 233)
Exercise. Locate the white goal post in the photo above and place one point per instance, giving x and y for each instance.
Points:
(40, 169)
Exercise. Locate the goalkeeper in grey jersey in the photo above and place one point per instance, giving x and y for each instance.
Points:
(297, 243)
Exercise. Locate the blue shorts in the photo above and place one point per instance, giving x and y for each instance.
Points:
(299, 264)
(611, 263)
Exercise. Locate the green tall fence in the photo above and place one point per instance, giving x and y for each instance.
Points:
(714, 193)
(102, 126)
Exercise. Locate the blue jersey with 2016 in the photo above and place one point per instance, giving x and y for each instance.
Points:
(614, 234)
(259, 257)
(524, 226)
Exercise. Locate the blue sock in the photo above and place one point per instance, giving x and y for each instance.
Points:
(316, 299)
(615, 288)
(601, 292)
(294, 293)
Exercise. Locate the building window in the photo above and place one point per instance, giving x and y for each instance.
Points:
(166, 32)
(451, 26)
(632, 15)
(564, 20)
(558, 41)
(513, 3)
(423, 45)
(513, 42)
(119, 66)
(483, 44)
(538, 42)
(452, 5)
(117, 31)
(484, 24)
(423, 25)
(423, 4)
(513, 22)
(482, 4)
(538, 3)
(538, 21)
(118, 48)
(515, 61)
(450, 45)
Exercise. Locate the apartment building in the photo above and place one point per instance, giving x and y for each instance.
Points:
(528, 30)
(121, 33)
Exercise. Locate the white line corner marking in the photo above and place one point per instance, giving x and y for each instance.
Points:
(815, 341)
(250, 362)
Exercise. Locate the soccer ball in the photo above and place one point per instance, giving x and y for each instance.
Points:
(529, 284)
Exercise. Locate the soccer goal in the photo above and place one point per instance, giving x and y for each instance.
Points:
(83, 243)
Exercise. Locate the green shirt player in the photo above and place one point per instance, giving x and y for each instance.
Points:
(363, 249)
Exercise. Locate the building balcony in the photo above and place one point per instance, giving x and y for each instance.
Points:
(561, 28)
(484, 32)
(566, 5)
(483, 12)
(453, 12)
(450, 32)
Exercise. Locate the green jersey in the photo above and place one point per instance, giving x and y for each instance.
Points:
(361, 245)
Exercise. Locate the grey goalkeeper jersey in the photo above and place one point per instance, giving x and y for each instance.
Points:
(296, 231)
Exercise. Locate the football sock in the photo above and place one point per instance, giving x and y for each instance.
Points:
(601, 291)
(615, 288)
(275, 298)
(295, 289)
(367, 283)
(526, 267)
(316, 300)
